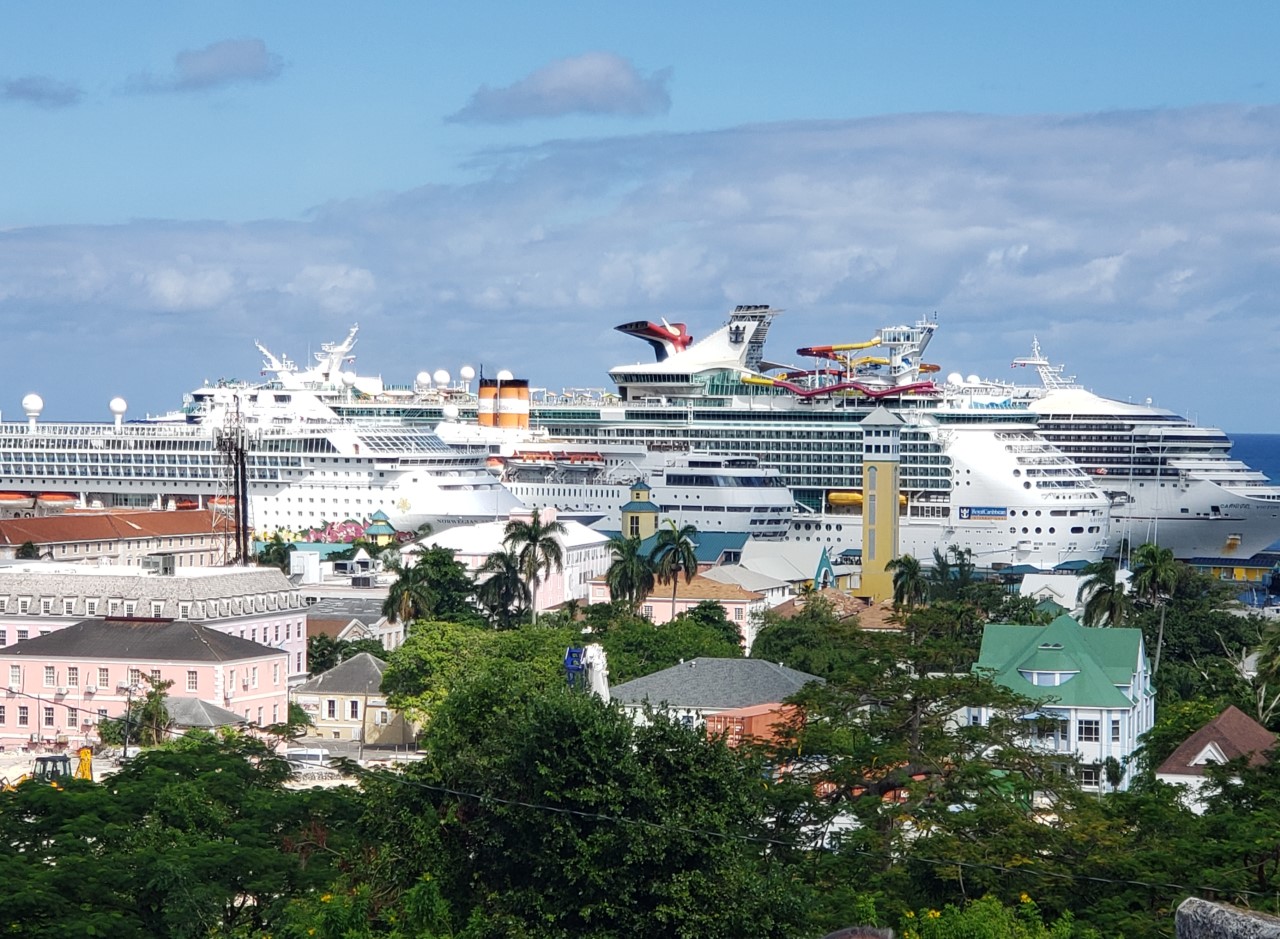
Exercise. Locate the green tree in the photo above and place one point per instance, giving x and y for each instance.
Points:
(1105, 600)
(630, 576)
(1155, 577)
(813, 640)
(674, 553)
(185, 842)
(560, 817)
(910, 585)
(502, 590)
(537, 545)
(27, 551)
(712, 616)
(324, 652)
(433, 586)
(275, 553)
(636, 647)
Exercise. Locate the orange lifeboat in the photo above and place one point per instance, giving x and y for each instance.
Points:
(186, 505)
(57, 498)
(15, 498)
(223, 501)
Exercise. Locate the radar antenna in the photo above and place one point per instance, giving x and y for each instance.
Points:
(233, 444)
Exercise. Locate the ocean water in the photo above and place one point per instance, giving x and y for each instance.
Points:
(1261, 451)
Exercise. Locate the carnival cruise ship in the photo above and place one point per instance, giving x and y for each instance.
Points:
(302, 464)
(1173, 482)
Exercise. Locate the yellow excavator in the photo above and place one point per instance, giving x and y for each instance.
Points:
(54, 770)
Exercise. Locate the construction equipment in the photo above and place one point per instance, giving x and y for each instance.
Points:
(55, 769)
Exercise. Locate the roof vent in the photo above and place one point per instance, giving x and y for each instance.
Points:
(1051, 646)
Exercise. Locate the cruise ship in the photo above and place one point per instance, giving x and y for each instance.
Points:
(1173, 482)
(303, 465)
(590, 484)
(974, 471)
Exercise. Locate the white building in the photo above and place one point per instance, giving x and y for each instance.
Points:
(586, 554)
(255, 603)
(1094, 685)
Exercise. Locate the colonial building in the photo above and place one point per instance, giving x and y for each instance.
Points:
(347, 619)
(57, 687)
(259, 604)
(347, 703)
(1231, 735)
(196, 538)
(1093, 685)
(742, 607)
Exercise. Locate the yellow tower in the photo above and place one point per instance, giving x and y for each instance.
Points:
(881, 431)
(640, 515)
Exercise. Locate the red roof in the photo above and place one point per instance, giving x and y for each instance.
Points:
(110, 526)
(1233, 732)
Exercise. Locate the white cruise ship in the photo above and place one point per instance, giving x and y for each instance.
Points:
(303, 465)
(1173, 482)
(974, 471)
(590, 484)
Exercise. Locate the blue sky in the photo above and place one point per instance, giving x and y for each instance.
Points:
(501, 184)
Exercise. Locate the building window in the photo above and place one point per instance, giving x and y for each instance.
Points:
(135, 676)
(1090, 778)
(2, 714)
(104, 677)
(383, 717)
(1089, 731)
(331, 709)
(24, 716)
(157, 608)
(73, 676)
(23, 634)
(73, 717)
(68, 607)
(259, 717)
(1115, 730)
(91, 607)
(184, 611)
(130, 607)
(355, 710)
(15, 675)
(253, 676)
(155, 677)
(113, 607)
(647, 611)
(737, 613)
(193, 679)
(275, 675)
(50, 676)
(48, 717)
(275, 713)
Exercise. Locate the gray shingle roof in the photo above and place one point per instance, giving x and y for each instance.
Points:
(192, 712)
(714, 683)
(360, 674)
(142, 640)
(363, 609)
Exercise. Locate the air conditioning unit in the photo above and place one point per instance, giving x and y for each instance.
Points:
(35, 738)
(122, 686)
(15, 688)
(90, 689)
(60, 691)
(244, 683)
(91, 720)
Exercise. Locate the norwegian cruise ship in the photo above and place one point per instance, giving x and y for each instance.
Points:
(303, 465)
(1173, 482)
(591, 484)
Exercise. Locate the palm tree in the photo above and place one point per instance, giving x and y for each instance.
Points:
(1155, 575)
(630, 575)
(536, 544)
(910, 586)
(502, 592)
(1105, 601)
(673, 552)
(410, 594)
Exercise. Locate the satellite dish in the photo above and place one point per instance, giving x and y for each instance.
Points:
(955, 378)
(441, 377)
(349, 378)
(974, 380)
(33, 404)
(505, 375)
(118, 406)
(450, 412)
(466, 373)
(424, 378)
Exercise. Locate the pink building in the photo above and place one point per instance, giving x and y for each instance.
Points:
(57, 687)
(742, 607)
(261, 604)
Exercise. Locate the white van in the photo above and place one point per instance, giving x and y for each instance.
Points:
(307, 756)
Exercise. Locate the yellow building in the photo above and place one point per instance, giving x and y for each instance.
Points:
(881, 433)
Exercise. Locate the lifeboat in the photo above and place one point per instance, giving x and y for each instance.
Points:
(854, 497)
(186, 505)
(12, 499)
(223, 501)
(57, 498)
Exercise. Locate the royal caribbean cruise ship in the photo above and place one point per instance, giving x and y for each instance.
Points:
(302, 465)
(1172, 482)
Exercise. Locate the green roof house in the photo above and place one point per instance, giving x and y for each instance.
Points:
(1095, 683)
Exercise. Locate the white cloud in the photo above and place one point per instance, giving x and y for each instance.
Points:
(40, 91)
(221, 63)
(1141, 248)
(593, 83)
